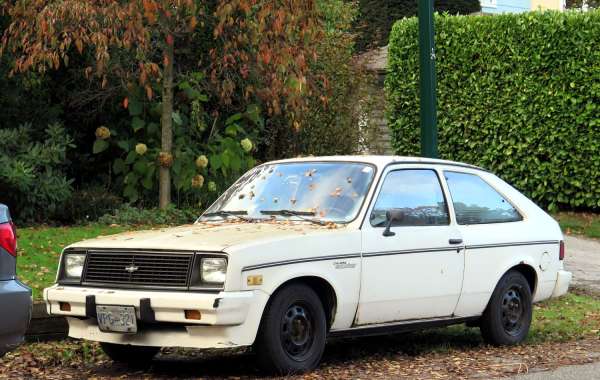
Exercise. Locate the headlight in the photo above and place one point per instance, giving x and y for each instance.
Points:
(214, 270)
(73, 265)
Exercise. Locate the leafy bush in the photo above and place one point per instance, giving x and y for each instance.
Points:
(378, 16)
(517, 94)
(207, 149)
(336, 108)
(32, 173)
(131, 216)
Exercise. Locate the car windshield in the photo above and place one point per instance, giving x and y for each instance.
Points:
(324, 191)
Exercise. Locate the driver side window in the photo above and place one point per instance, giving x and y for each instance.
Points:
(417, 193)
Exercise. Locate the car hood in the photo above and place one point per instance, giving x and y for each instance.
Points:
(205, 236)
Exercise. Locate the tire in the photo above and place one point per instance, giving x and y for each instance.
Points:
(134, 356)
(507, 318)
(293, 330)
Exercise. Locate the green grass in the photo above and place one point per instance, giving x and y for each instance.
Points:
(579, 224)
(572, 316)
(40, 248)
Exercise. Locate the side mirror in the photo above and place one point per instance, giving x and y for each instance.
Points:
(391, 217)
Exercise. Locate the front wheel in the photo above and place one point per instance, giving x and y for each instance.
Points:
(507, 318)
(135, 356)
(292, 334)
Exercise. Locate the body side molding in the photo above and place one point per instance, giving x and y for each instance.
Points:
(399, 327)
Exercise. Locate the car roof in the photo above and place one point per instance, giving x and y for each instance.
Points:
(379, 160)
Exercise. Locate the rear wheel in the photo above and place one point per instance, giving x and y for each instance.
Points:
(292, 335)
(507, 318)
(135, 356)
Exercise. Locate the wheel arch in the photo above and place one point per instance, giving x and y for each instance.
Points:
(324, 290)
(528, 271)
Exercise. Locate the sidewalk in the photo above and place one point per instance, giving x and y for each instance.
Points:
(574, 372)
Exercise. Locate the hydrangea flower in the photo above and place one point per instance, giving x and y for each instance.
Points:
(212, 186)
(202, 162)
(165, 159)
(198, 181)
(102, 133)
(141, 149)
(247, 145)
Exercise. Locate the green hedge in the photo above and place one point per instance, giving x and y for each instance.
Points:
(377, 17)
(517, 94)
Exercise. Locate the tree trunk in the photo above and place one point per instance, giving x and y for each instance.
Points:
(164, 194)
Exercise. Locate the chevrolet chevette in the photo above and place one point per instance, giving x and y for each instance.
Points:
(300, 250)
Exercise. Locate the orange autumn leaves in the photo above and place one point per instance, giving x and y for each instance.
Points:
(262, 49)
(43, 34)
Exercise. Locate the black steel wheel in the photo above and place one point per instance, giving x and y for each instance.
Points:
(297, 331)
(291, 338)
(507, 318)
(513, 311)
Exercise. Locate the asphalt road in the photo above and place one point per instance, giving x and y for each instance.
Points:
(574, 372)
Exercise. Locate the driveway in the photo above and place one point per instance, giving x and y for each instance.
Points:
(582, 257)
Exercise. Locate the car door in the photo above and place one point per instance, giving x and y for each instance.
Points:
(416, 273)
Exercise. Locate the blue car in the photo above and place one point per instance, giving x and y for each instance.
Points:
(15, 298)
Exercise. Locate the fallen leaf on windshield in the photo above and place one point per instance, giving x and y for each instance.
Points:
(337, 192)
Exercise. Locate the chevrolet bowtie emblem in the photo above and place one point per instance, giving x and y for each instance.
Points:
(131, 269)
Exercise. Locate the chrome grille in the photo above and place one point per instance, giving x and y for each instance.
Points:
(138, 269)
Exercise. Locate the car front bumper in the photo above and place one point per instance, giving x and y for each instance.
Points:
(563, 279)
(227, 319)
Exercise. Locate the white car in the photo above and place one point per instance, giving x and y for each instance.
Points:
(300, 250)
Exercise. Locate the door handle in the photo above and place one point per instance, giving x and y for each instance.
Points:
(455, 241)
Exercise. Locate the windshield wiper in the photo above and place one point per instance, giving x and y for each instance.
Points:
(300, 214)
(223, 214)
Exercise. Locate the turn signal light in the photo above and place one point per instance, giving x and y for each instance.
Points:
(254, 280)
(64, 306)
(193, 314)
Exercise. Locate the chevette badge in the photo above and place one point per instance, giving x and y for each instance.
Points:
(131, 269)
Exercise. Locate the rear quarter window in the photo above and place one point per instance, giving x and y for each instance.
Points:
(476, 202)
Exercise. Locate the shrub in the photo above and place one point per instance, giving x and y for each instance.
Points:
(32, 173)
(517, 94)
(331, 127)
(131, 216)
(378, 16)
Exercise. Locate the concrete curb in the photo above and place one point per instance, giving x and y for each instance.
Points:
(45, 327)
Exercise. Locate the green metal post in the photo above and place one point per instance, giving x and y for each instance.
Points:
(427, 80)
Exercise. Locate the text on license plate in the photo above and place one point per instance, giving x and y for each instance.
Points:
(116, 318)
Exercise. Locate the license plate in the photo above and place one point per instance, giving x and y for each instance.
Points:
(116, 319)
